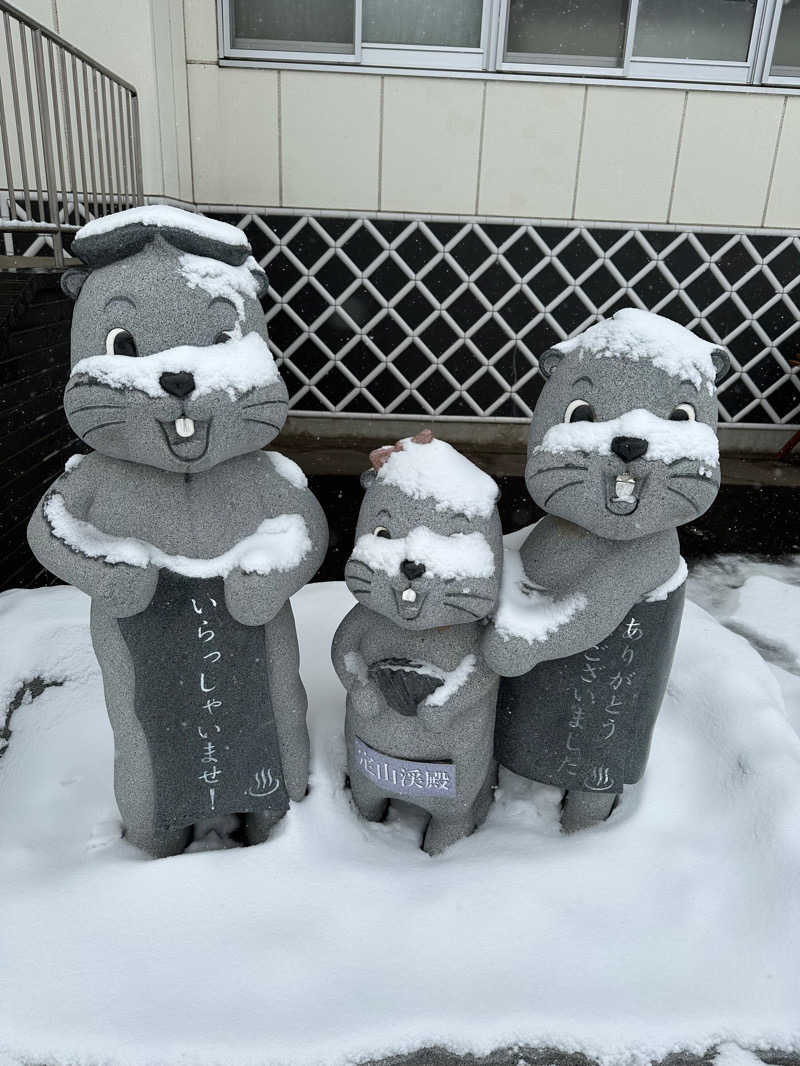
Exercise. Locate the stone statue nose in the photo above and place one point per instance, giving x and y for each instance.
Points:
(179, 385)
(629, 448)
(412, 569)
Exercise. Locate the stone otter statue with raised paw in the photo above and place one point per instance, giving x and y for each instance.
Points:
(622, 449)
(420, 700)
(187, 536)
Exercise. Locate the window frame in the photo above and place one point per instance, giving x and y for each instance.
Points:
(769, 40)
(490, 56)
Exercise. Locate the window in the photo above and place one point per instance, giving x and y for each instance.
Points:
(740, 42)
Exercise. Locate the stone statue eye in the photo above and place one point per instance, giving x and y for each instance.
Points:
(223, 337)
(382, 531)
(120, 342)
(684, 412)
(579, 411)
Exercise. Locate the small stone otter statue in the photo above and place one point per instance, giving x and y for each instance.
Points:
(187, 536)
(622, 450)
(420, 700)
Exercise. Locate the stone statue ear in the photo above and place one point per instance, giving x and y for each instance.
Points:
(367, 479)
(722, 363)
(72, 281)
(260, 280)
(549, 360)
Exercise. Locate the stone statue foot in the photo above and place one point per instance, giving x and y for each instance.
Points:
(442, 832)
(370, 801)
(256, 826)
(159, 845)
(583, 809)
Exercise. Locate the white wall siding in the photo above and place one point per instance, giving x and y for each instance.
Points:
(628, 151)
(530, 147)
(726, 157)
(200, 19)
(351, 141)
(234, 124)
(783, 207)
(431, 142)
(330, 135)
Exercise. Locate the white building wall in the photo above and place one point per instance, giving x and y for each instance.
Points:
(353, 141)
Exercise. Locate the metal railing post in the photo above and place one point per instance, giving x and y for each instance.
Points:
(77, 137)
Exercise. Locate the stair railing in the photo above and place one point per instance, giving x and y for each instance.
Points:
(70, 144)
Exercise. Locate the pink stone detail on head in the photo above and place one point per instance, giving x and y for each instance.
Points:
(425, 436)
(380, 455)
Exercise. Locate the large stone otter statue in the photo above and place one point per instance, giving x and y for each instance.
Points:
(622, 449)
(421, 701)
(187, 536)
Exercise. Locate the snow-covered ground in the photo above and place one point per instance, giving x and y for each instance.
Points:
(674, 925)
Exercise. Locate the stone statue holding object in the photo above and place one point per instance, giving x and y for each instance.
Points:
(622, 449)
(187, 536)
(421, 701)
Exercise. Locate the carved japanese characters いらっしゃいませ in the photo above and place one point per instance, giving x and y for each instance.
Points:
(622, 449)
(421, 702)
(187, 536)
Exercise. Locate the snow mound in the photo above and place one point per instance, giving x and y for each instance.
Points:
(166, 217)
(676, 924)
(279, 543)
(235, 366)
(451, 556)
(435, 470)
(636, 334)
(762, 611)
(667, 440)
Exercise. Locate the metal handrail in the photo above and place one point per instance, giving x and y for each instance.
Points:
(70, 143)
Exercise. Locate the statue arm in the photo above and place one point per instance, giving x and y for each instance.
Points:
(121, 589)
(590, 610)
(477, 688)
(289, 700)
(255, 598)
(346, 648)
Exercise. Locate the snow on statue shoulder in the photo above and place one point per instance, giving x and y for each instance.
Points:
(622, 450)
(421, 701)
(186, 534)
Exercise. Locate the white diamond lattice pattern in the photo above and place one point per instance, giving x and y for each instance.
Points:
(416, 317)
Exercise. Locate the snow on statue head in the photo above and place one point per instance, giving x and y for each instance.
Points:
(623, 440)
(421, 701)
(428, 540)
(170, 364)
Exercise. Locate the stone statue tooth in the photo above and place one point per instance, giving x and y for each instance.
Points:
(409, 596)
(624, 486)
(184, 427)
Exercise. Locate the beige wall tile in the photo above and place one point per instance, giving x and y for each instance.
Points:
(330, 125)
(783, 208)
(530, 149)
(173, 104)
(431, 133)
(725, 158)
(234, 123)
(41, 10)
(630, 140)
(120, 35)
(200, 21)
